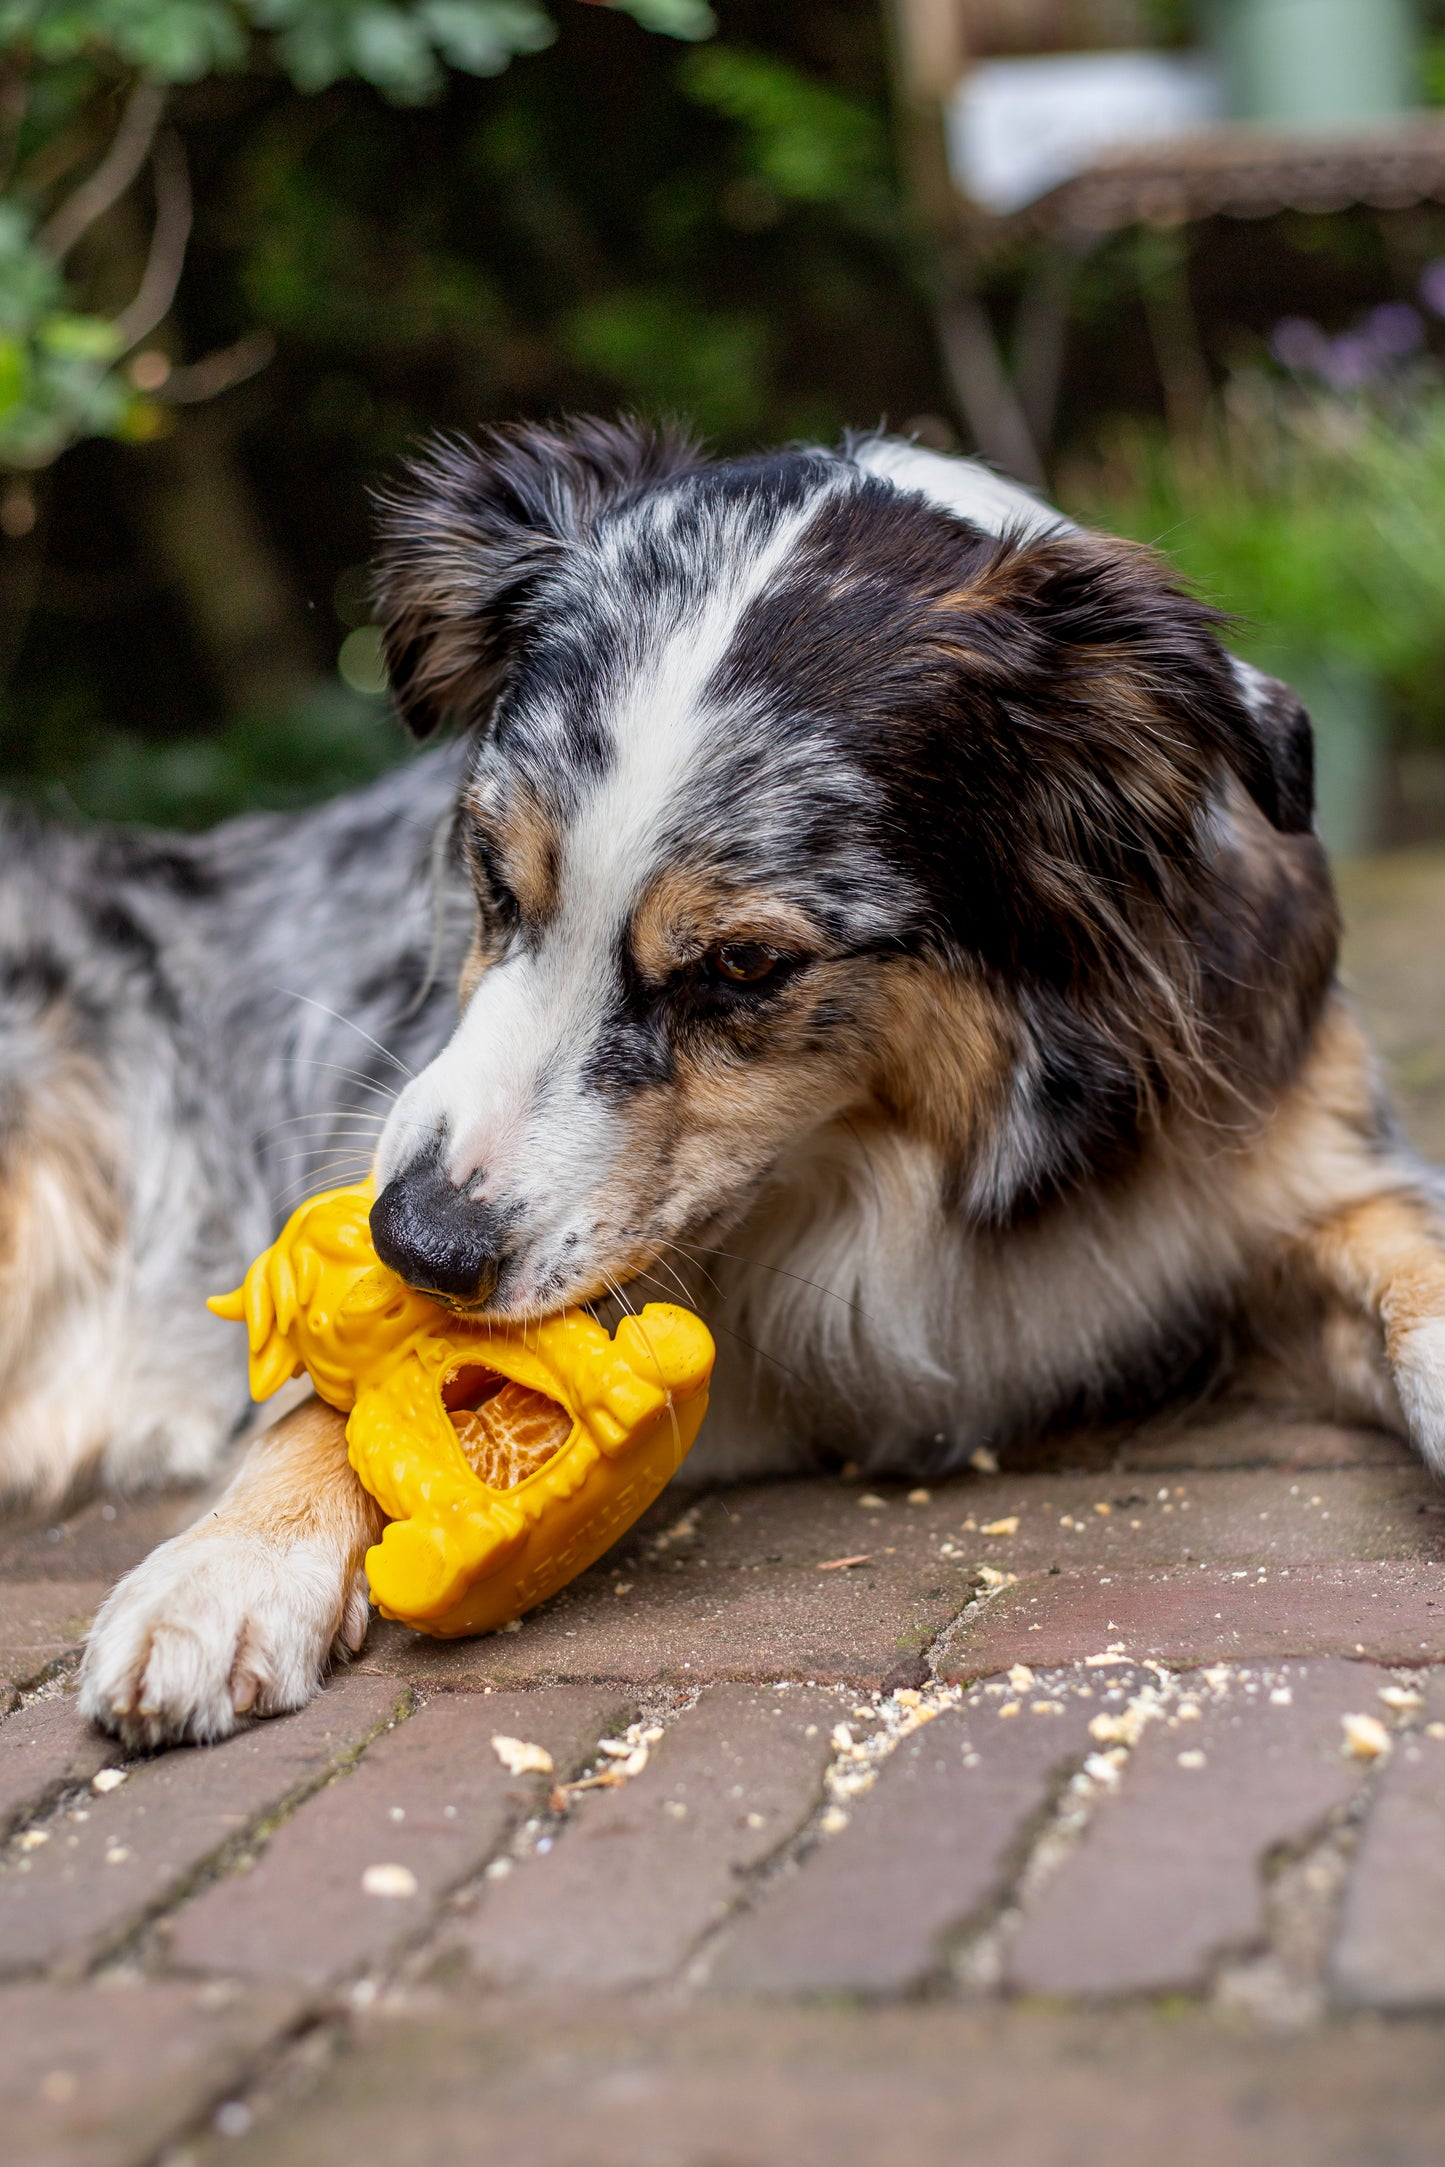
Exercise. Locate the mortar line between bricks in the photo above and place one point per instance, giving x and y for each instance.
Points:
(793, 1852)
(329, 2009)
(254, 2069)
(973, 1957)
(411, 1950)
(218, 1863)
(414, 1957)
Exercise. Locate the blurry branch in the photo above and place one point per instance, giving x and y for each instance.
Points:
(168, 245)
(217, 372)
(112, 177)
(986, 399)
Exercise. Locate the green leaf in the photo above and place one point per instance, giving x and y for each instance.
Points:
(690, 19)
(805, 141)
(79, 338)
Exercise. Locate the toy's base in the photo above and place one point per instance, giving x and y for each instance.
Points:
(419, 1570)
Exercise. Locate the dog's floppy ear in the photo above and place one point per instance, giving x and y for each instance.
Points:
(1136, 665)
(1284, 727)
(473, 529)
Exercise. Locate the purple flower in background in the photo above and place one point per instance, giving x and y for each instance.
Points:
(1432, 286)
(1395, 328)
(1351, 360)
(1300, 345)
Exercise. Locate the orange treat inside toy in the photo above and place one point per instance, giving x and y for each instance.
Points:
(508, 1434)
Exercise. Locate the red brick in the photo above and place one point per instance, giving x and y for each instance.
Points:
(631, 1887)
(870, 1909)
(1389, 1612)
(932, 2086)
(1257, 1437)
(430, 1795)
(1169, 1873)
(99, 1541)
(103, 2077)
(41, 1620)
(1391, 1951)
(96, 1878)
(43, 1748)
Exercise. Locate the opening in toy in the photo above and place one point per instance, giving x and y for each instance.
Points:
(506, 1430)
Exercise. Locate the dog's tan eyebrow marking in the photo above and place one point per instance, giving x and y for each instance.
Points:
(684, 911)
(523, 841)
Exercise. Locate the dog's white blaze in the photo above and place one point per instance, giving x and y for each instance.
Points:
(964, 486)
(509, 1090)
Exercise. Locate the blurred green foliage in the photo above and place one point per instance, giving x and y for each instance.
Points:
(64, 61)
(1317, 521)
(708, 231)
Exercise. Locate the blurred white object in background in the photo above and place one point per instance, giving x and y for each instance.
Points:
(1017, 128)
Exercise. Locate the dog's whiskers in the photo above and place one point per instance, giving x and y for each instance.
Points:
(347, 1024)
(763, 1353)
(756, 1264)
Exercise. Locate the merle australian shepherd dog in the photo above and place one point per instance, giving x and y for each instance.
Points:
(879, 910)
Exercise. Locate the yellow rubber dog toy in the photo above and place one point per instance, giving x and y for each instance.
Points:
(507, 1460)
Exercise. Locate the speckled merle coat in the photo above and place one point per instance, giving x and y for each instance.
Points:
(173, 1070)
(891, 918)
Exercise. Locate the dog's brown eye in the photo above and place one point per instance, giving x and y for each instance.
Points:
(743, 963)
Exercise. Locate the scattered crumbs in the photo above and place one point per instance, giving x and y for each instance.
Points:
(1191, 1759)
(871, 1502)
(982, 1461)
(1046, 1707)
(116, 1855)
(1399, 1696)
(513, 1625)
(622, 1587)
(1105, 1768)
(1435, 1730)
(1103, 1509)
(920, 1497)
(396, 1813)
(756, 1820)
(1366, 1738)
(1099, 1662)
(34, 1838)
(108, 1779)
(392, 1881)
(521, 1759)
(674, 1809)
(1006, 1526)
(993, 1578)
(970, 1526)
(1189, 1711)
(832, 1819)
(1021, 1677)
(499, 1869)
(1010, 1708)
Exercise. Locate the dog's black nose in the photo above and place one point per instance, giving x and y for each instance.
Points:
(434, 1237)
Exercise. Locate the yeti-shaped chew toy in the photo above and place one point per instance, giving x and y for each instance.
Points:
(507, 1459)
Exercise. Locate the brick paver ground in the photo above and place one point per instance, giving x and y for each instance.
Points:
(1096, 1815)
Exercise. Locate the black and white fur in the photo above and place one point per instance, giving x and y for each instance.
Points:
(1043, 1088)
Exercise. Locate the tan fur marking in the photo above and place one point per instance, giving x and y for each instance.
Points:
(946, 1057)
(684, 912)
(297, 1484)
(62, 1214)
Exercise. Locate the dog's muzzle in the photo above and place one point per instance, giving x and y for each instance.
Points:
(435, 1238)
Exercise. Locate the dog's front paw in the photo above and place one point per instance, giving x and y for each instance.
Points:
(1417, 1368)
(214, 1627)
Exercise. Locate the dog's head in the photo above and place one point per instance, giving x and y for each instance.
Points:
(795, 796)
